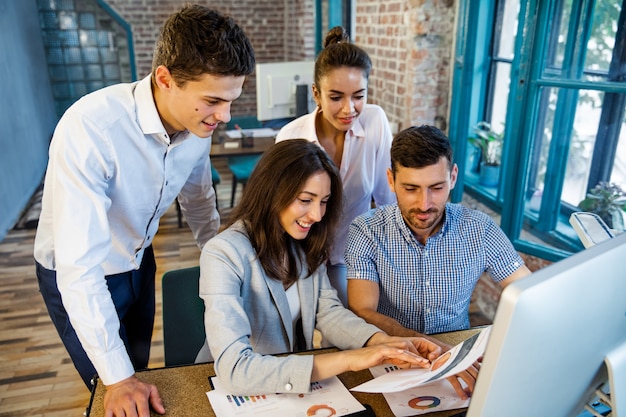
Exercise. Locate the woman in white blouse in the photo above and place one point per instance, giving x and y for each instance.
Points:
(355, 135)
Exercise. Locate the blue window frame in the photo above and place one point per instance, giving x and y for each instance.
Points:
(331, 13)
(549, 74)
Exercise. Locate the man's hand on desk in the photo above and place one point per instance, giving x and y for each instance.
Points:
(468, 376)
(132, 398)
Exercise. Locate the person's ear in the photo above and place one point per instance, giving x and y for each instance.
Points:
(163, 78)
(316, 94)
(454, 173)
(390, 180)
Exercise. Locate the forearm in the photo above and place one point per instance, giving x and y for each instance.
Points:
(387, 324)
(393, 328)
(327, 365)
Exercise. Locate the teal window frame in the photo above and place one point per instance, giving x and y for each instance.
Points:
(531, 75)
(328, 14)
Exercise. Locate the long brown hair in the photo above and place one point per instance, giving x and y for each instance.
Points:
(274, 184)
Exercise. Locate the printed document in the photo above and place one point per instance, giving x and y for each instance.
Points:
(451, 362)
(328, 397)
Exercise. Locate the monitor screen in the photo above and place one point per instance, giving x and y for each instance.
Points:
(550, 337)
(283, 89)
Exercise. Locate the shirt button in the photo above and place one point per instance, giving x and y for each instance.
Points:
(288, 387)
(427, 283)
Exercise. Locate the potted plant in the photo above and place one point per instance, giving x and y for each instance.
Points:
(489, 142)
(608, 201)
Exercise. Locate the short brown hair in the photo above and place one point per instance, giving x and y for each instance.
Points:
(419, 147)
(197, 40)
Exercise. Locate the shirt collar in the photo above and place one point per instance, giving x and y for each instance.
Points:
(357, 129)
(147, 113)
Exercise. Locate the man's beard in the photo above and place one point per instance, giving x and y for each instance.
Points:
(423, 224)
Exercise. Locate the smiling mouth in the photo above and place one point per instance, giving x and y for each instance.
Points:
(303, 224)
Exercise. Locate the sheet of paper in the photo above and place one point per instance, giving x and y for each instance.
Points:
(451, 362)
(263, 132)
(327, 398)
(435, 396)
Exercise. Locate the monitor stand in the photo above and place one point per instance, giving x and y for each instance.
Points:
(616, 365)
(610, 396)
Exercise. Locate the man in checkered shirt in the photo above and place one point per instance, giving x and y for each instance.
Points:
(412, 266)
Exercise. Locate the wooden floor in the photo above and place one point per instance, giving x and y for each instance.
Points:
(37, 379)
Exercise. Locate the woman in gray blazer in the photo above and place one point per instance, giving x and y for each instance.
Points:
(264, 283)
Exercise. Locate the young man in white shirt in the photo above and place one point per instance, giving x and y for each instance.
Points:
(118, 159)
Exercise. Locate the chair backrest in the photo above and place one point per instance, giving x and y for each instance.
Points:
(183, 316)
(244, 122)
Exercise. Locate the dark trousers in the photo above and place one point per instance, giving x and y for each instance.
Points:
(133, 296)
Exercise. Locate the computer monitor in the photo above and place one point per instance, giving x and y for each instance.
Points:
(551, 336)
(283, 89)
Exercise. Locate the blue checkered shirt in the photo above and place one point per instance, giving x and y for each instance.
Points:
(428, 288)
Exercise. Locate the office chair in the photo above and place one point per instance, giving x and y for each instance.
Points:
(241, 166)
(183, 316)
(216, 179)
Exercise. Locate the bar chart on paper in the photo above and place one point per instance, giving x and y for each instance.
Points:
(244, 400)
(327, 397)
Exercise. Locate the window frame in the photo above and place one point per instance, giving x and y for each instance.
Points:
(530, 83)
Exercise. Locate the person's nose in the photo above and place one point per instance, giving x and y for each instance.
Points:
(316, 213)
(348, 105)
(222, 114)
(424, 200)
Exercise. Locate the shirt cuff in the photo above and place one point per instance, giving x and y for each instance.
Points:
(114, 367)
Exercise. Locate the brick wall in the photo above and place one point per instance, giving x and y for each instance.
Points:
(410, 43)
(278, 30)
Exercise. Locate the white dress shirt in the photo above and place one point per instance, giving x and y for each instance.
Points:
(363, 167)
(113, 171)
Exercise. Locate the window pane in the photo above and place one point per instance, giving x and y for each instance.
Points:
(543, 216)
(602, 39)
(502, 82)
(618, 175)
(509, 29)
(541, 152)
(582, 142)
(556, 48)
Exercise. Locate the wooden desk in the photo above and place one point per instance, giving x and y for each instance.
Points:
(261, 144)
(183, 388)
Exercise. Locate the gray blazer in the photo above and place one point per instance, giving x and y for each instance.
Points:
(248, 320)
